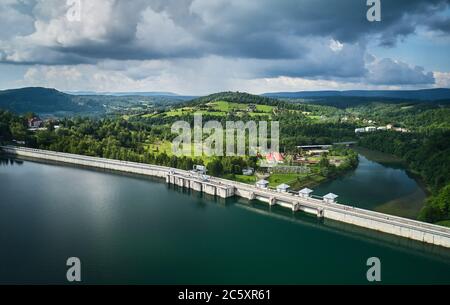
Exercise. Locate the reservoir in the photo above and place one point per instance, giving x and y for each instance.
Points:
(379, 183)
(134, 230)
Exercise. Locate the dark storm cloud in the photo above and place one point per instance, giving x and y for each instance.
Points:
(252, 29)
(291, 37)
(440, 24)
(344, 20)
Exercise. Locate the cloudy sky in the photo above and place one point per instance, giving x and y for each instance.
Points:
(204, 46)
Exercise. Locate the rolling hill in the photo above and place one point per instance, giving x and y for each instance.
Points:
(53, 102)
(39, 100)
(236, 97)
(45, 101)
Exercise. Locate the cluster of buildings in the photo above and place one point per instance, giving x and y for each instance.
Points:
(36, 123)
(382, 128)
(308, 155)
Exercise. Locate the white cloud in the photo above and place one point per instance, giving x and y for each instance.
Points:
(335, 45)
(190, 77)
(442, 79)
(387, 71)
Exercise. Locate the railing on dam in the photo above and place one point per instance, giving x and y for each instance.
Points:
(364, 218)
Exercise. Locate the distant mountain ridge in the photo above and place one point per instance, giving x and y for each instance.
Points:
(38, 99)
(47, 101)
(422, 94)
(156, 93)
(51, 101)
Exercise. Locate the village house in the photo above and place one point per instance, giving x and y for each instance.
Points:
(274, 158)
(35, 122)
(248, 171)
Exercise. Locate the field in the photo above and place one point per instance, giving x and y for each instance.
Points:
(219, 109)
(241, 178)
(160, 147)
(295, 181)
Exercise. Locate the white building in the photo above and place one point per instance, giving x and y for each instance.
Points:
(201, 169)
(330, 198)
(283, 188)
(262, 184)
(248, 171)
(305, 193)
(371, 129)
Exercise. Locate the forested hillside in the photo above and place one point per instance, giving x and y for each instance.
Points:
(51, 102)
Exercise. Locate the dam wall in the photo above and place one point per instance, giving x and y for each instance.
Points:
(407, 228)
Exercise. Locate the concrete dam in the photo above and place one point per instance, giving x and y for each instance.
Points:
(321, 207)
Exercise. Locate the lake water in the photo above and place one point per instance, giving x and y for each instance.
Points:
(134, 230)
(380, 183)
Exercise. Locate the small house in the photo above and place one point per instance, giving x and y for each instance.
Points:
(262, 184)
(248, 171)
(200, 169)
(35, 122)
(274, 158)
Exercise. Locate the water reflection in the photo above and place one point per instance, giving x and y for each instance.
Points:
(7, 161)
(385, 187)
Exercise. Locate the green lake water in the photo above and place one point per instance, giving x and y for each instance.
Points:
(380, 183)
(134, 230)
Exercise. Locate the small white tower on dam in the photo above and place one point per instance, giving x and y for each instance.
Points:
(305, 193)
(330, 198)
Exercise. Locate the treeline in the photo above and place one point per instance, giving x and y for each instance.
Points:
(329, 170)
(110, 138)
(13, 127)
(236, 97)
(428, 155)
